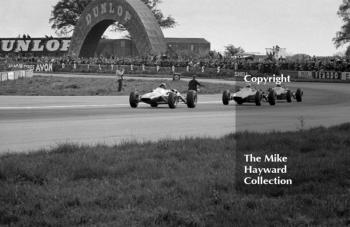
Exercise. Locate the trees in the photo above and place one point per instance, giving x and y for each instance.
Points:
(340, 54)
(343, 36)
(231, 50)
(65, 15)
(347, 52)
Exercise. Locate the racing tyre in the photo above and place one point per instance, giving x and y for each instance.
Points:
(154, 104)
(289, 96)
(271, 98)
(191, 99)
(134, 99)
(239, 102)
(172, 100)
(226, 97)
(258, 98)
(299, 95)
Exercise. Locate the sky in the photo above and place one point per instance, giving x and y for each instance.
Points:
(300, 26)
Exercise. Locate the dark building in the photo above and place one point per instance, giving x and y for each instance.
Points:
(177, 47)
(117, 48)
(188, 47)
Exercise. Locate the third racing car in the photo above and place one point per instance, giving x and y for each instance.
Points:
(243, 95)
(249, 94)
(280, 92)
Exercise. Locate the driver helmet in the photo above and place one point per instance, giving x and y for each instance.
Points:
(248, 85)
(278, 85)
(162, 85)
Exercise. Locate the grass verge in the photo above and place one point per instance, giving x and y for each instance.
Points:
(61, 86)
(179, 183)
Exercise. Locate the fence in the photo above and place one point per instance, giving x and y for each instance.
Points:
(140, 69)
(324, 75)
(201, 71)
(15, 75)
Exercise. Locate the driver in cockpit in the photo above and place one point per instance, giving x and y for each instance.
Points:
(163, 85)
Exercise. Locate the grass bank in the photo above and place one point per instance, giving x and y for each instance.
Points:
(179, 183)
(61, 86)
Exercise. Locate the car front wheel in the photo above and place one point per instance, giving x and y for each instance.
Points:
(272, 98)
(134, 99)
(226, 97)
(173, 100)
(191, 99)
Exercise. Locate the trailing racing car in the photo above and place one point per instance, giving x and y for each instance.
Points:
(243, 95)
(162, 95)
(283, 93)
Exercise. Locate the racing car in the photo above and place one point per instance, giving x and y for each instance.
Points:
(243, 95)
(162, 95)
(283, 93)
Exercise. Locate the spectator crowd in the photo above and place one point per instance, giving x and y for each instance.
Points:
(237, 64)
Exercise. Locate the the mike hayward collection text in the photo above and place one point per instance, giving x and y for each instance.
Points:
(256, 175)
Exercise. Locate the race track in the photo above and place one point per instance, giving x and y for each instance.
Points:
(31, 123)
(324, 104)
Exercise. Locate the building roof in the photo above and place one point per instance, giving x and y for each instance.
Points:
(255, 53)
(187, 40)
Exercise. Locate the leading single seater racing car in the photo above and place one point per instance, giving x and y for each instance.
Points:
(243, 95)
(161, 95)
(283, 93)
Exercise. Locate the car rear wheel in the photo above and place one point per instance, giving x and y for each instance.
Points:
(134, 99)
(172, 100)
(272, 98)
(258, 98)
(191, 99)
(226, 97)
(289, 96)
(299, 95)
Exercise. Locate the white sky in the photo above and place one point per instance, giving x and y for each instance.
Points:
(301, 26)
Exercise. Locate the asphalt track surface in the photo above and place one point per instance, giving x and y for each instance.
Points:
(31, 123)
